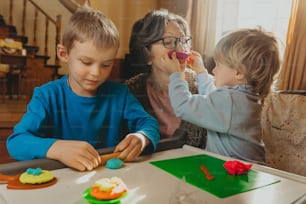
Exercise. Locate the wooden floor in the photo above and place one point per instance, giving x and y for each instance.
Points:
(11, 111)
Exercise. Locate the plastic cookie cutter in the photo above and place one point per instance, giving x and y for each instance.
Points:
(206, 172)
(14, 183)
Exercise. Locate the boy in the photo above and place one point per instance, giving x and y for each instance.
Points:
(70, 117)
(229, 104)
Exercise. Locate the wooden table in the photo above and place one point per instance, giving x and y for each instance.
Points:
(150, 185)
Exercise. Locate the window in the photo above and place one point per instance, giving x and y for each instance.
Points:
(271, 15)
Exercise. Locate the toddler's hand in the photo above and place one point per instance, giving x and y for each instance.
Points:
(195, 62)
(79, 155)
(131, 146)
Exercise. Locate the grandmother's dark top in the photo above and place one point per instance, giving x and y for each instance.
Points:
(195, 136)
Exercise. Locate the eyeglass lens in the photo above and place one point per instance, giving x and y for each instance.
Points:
(171, 42)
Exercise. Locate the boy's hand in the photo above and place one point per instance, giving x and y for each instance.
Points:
(195, 62)
(131, 146)
(79, 155)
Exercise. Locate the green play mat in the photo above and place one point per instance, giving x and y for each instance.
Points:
(223, 185)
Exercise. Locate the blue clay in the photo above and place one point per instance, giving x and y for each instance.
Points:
(35, 172)
(114, 163)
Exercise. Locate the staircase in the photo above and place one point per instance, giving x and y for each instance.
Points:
(21, 67)
(31, 69)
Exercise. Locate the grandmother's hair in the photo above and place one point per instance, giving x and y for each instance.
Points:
(254, 51)
(88, 24)
(150, 28)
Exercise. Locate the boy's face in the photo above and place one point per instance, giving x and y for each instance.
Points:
(88, 66)
(227, 76)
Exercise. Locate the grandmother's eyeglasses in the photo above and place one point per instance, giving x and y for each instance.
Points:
(171, 41)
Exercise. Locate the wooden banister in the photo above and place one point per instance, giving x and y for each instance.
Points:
(46, 36)
(42, 11)
(56, 22)
(24, 14)
(58, 25)
(35, 27)
(11, 11)
(73, 5)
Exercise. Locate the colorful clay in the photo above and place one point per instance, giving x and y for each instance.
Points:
(114, 163)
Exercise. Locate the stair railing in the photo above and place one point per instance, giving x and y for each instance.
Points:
(56, 22)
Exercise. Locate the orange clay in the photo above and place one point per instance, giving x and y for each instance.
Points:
(189, 62)
(107, 195)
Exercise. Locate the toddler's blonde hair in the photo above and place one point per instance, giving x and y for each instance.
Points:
(253, 52)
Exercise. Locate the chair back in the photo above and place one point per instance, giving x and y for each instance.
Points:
(283, 121)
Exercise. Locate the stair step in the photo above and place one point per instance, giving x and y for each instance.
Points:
(42, 57)
(11, 30)
(20, 38)
(13, 60)
(49, 66)
(52, 66)
(55, 75)
(2, 21)
(31, 50)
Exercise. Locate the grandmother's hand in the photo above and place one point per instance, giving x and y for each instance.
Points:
(170, 65)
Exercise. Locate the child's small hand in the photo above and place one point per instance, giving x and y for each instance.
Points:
(131, 146)
(79, 155)
(170, 64)
(195, 62)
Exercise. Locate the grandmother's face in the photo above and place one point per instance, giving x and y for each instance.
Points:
(158, 49)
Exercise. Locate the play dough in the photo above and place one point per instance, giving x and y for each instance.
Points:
(181, 56)
(36, 176)
(114, 163)
(108, 188)
(236, 167)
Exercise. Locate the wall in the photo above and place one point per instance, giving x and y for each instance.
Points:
(176, 6)
(123, 12)
(52, 8)
(271, 15)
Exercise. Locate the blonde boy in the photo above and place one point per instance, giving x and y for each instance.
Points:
(69, 118)
(229, 104)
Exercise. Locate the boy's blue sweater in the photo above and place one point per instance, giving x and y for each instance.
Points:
(56, 112)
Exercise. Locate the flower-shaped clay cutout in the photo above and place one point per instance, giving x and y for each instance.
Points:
(181, 56)
(235, 167)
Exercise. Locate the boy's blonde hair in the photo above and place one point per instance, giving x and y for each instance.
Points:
(254, 52)
(88, 24)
